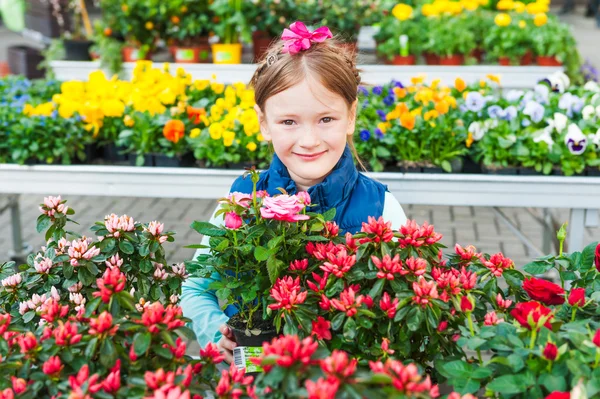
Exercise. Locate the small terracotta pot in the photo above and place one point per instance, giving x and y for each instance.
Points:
(402, 60)
(132, 54)
(431, 59)
(455, 59)
(478, 55)
(527, 58)
(548, 61)
(261, 41)
(504, 61)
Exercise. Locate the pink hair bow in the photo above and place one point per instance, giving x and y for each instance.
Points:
(299, 38)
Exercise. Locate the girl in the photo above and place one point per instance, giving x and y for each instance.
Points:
(306, 97)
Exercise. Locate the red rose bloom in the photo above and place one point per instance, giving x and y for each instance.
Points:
(559, 395)
(544, 291)
(550, 351)
(522, 311)
(577, 297)
(597, 258)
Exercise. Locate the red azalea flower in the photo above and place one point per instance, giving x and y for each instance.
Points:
(544, 291)
(596, 339)
(491, 319)
(385, 346)
(178, 350)
(320, 250)
(498, 264)
(467, 254)
(530, 314)
(424, 292)
(7, 394)
(159, 378)
(289, 351)
(416, 266)
(388, 306)
(339, 263)
(331, 230)
(66, 334)
(112, 281)
(319, 284)
(19, 385)
(405, 379)
(577, 297)
(442, 326)
(51, 310)
(597, 258)
(388, 266)
(348, 302)
(325, 303)
(171, 392)
(103, 324)
(82, 377)
(4, 322)
(468, 279)
(321, 329)
(27, 342)
(299, 265)
(503, 303)
(559, 395)
(550, 351)
(411, 234)
(211, 352)
(465, 304)
(322, 388)
(286, 292)
(338, 366)
(378, 230)
(132, 356)
(52, 366)
(351, 242)
(449, 282)
(112, 383)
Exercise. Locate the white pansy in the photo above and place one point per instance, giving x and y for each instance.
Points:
(477, 131)
(588, 112)
(592, 86)
(544, 135)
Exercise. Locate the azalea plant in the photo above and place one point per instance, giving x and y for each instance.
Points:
(260, 237)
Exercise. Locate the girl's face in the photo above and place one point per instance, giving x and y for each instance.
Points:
(308, 126)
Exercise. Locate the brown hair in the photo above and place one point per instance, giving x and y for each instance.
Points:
(332, 61)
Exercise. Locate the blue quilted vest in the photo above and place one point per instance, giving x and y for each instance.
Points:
(354, 195)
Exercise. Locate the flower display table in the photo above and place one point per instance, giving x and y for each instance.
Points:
(579, 194)
(514, 77)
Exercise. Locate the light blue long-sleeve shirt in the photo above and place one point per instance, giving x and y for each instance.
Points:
(201, 305)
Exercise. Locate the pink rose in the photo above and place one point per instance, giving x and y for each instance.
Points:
(286, 208)
(233, 221)
(304, 197)
(239, 199)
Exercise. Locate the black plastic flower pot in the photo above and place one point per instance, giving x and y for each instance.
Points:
(243, 337)
(92, 152)
(148, 160)
(432, 169)
(592, 171)
(184, 160)
(114, 153)
(498, 170)
(78, 50)
(470, 166)
(528, 172)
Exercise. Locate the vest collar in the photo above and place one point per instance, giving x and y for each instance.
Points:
(333, 190)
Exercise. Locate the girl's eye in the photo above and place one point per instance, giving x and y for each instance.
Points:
(288, 122)
(327, 119)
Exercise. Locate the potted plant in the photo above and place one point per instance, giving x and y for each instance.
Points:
(509, 41)
(107, 48)
(231, 28)
(400, 37)
(346, 18)
(140, 23)
(553, 41)
(187, 29)
(270, 18)
(252, 250)
(449, 38)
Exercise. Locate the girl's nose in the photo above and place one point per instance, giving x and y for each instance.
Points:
(310, 138)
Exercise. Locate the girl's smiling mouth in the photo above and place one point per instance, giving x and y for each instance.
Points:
(311, 157)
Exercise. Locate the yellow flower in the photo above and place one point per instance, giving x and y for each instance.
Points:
(216, 131)
(418, 79)
(460, 85)
(442, 107)
(494, 78)
(537, 8)
(469, 140)
(195, 132)
(402, 11)
(431, 115)
(201, 84)
(540, 19)
(470, 5)
(502, 19)
(113, 108)
(67, 109)
(519, 7)
(505, 5)
(429, 10)
(228, 137)
(384, 126)
(217, 87)
(454, 8)
(260, 137)
(128, 121)
(522, 24)
(435, 83)
(167, 97)
(149, 25)
(251, 146)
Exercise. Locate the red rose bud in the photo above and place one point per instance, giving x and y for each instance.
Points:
(524, 311)
(442, 326)
(544, 291)
(596, 339)
(597, 258)
(550, 351)
(465, 304)
(577, 297)
(559, 395)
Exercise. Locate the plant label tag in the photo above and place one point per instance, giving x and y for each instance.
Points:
(403, 41)
(185, 54)
(242, 356)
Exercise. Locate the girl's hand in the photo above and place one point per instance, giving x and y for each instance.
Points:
(226, 343)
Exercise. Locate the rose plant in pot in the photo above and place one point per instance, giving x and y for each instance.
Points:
(187, 31)
(400, 37)
(261, 236)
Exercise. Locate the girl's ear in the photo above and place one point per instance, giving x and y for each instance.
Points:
(262, 120)
(352, 118)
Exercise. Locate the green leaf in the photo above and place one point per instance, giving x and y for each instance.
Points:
(329, 214)
(43, 222)
(126, 247)
(187, 333)
(553, 382)
(92, 306)
(92, 268)
(27, 317)
(350, 329)
(457, 369)
(141, 342)
(90, 349)
(537, 267)
(108, 353)
(163, 352)
(514, 278)
(508, 384)
(337, 321)
(588, 255)
(68, 270)
(261, 254)
(208, 229)
(86, 278)
(475, 342)
(414, 319)
(481, 373)
(377, 288)
(274, 267)
(145, 265)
